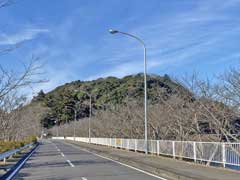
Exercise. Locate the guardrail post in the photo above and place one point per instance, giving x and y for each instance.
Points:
(115, 143)
(4, 160)
(223, 155)
(128, 144)
(173, 149)
(194, 152)
(135, 145)
(158, 148)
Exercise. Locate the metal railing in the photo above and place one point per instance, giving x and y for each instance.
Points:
(208, 152)
(7, 154)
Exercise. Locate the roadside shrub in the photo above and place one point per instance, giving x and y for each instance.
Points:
(8, 145)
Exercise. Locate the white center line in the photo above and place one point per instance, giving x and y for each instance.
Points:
(71, 164)
(57, 148)
(83, 178)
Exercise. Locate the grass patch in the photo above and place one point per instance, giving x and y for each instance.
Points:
(8, 145)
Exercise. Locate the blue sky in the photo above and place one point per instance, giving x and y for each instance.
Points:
(71, 38)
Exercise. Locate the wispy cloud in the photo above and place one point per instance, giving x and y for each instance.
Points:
(191, 33)
(183, 37)
(25, 35)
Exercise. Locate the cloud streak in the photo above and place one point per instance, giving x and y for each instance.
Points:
(189, 35)
(25, 35)
(192, 33)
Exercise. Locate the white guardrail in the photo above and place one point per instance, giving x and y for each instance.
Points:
(7, 154)
(209, 152)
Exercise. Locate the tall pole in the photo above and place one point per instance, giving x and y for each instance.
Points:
(145, 101)
(57, 130)
(89, 119)
(57, 127)
(145, 83)
(90, 115)
(75, 119)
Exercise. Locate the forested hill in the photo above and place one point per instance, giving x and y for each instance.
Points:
(107, 92)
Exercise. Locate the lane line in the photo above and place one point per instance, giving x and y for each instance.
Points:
(69, 162)
(83, 178)
(126, 165)
(57, 147)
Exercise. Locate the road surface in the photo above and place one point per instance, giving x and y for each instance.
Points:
(58, 160)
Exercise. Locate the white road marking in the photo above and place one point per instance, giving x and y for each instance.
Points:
(69, 162)
(83, 178)
(142, 171)
(57, 148)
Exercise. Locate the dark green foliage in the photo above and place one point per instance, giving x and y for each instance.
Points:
(105, 92)
(40, 96)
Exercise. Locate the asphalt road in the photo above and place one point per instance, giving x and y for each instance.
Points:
(58, 160)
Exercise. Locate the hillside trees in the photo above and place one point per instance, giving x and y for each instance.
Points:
(200, 111)
(106, 93)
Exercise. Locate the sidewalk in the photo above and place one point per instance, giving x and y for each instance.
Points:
(165, 167)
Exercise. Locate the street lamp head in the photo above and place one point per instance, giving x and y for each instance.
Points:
(112, 31)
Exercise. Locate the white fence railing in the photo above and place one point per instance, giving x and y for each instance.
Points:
(209, 152)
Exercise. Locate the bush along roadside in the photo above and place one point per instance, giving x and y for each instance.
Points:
(8, 145)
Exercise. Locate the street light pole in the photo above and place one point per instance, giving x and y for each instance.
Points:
(145, 101)
(89, 119)
(90, 115)
(145, 80)
(57, 130)
(75, 119)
